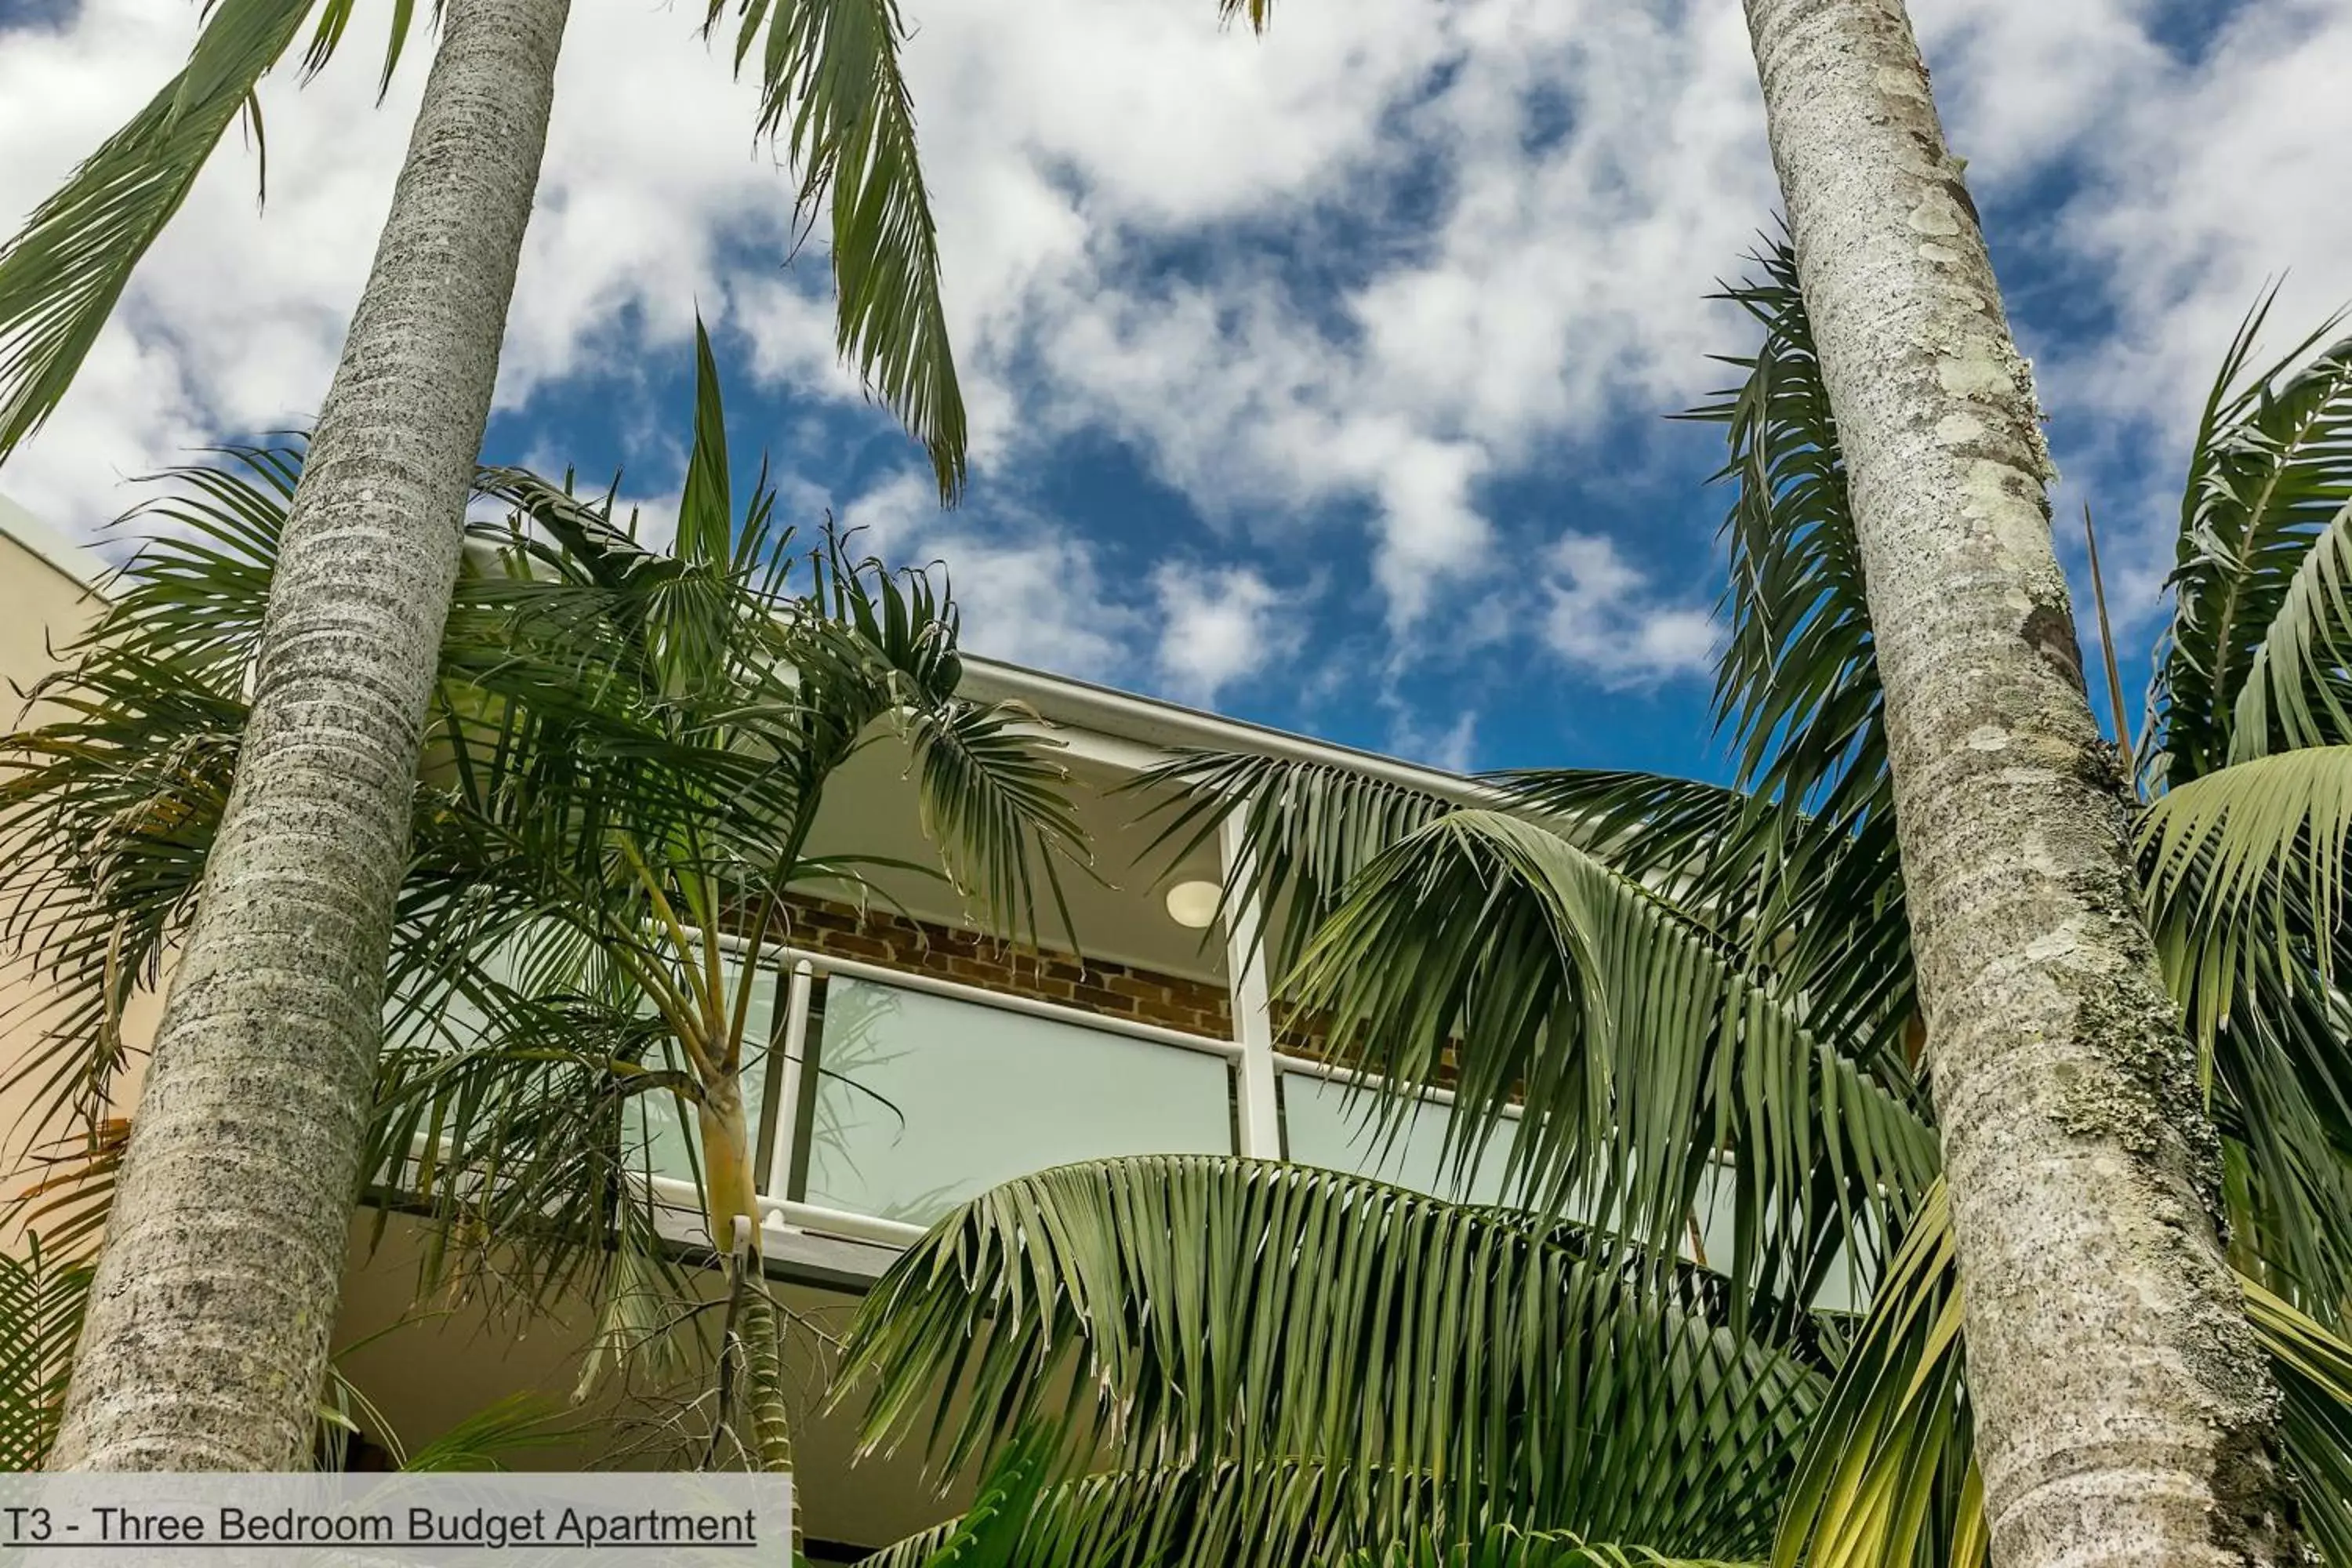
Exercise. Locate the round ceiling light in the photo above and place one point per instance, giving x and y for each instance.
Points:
(1192, 905)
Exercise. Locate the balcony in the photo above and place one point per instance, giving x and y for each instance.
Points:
(898, 1095)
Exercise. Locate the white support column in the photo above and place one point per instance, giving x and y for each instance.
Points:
(792, 1051)
(1261, 1128)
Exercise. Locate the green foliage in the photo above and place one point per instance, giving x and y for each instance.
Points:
(2271, 470)
(830, 87)
(1656, 1070)
(41, 1302)
(1277, 1354)
(1889, 1477)
(627, 750)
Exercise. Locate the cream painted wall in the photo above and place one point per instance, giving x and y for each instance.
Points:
(46, 601)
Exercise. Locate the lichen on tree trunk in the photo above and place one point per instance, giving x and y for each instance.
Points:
(2123, 1410)
(207, 1333)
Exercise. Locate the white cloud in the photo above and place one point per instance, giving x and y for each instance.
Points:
(1558, 280)
(1606, 619)
(1453, 748)
(2193, 181)
(1424, 244)
(1063, 138)
(1217, 625)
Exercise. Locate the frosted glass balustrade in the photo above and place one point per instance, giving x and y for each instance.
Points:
(1326, 1124)
(923, 1100)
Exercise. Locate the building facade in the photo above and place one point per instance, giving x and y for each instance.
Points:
(919, 1060)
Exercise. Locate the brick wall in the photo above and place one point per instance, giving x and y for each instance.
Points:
(1096, 985)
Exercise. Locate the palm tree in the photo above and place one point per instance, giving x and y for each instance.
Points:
(1696, 998)
(626, 751)
(236, 1203)
(2120, 1406)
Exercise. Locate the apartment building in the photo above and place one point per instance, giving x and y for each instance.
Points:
(921, 1061)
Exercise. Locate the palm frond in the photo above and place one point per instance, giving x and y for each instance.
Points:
(1276, 1514)
(993, 802)
(2282, 1099)
(1505, 1547)
(1273, 1513)
(2271, 467)
(996, 1531)
(2298, 692)
(1801, 900)
(1809, 867)
(1798, 683)
(1307, 829)
(2312, 1365)
(2244, 873)
(63, 272)
(1889, 1475)
(831, 87)
(484, 1440)
(1210, 1309)
(991, 794)
(1652, 1065)
(42, 1296)
(109, 802)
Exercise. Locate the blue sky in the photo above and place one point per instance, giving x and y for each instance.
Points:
(1322, 379)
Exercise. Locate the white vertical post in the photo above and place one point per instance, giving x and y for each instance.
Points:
(786, 1066)
(1252, 1009)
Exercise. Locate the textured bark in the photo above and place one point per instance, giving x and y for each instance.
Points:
(763, 1368)
(206, 1341)
(771, 1434)
(2123, 1409)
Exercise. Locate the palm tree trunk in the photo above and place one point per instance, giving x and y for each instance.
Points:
(765, 1416)
(734, 1210)
(206, 1341)
(2123, 1412)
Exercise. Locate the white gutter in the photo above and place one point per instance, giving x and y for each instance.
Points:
(1167, 727)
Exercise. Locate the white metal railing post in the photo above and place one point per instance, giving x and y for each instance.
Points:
(787, 1069)
(1252, 1006)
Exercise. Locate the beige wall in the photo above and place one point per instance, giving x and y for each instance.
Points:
(46, 601)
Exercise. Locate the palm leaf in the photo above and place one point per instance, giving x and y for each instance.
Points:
(2271, 467)
(2244, 871)
(1308, 830)
(484, 1441)
(1799, 899)
(830, 87)
(107, 806)
(1797, 685)
(1276, 1513)
(1504, 1547)
(1208, 1311)
(2299, 690)
(1489, 955)
(2312, 1365)
(2282, 1098)
(1279, 1514)
(41, 1302)
(1890, 1476)
(1811, 866)
(63, 272)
